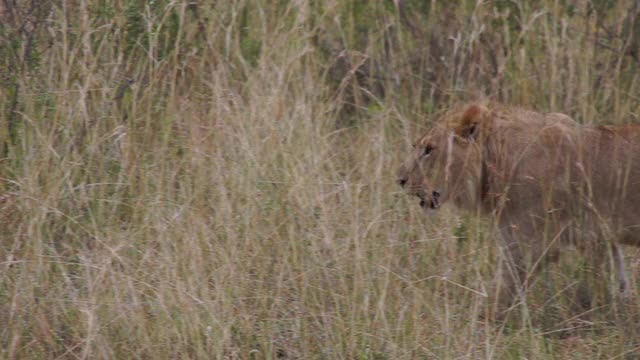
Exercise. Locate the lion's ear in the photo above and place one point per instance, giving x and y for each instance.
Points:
(471, 121)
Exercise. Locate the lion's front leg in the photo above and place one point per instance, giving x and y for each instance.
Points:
(512, 272)
(618, 263)
(524, 250)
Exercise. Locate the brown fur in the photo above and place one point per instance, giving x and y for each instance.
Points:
(544, 178)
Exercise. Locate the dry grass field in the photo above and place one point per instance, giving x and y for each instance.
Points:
(215, 180)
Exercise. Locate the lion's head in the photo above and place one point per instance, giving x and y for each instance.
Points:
(445, 163)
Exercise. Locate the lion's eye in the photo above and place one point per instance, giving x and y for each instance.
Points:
(427, 150)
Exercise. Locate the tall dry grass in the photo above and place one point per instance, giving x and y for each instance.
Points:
(191, 180)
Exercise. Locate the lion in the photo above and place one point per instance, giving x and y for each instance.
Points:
(544, 179)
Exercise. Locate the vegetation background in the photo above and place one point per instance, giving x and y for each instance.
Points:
(185, 179)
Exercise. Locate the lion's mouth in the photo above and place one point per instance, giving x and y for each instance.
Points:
(432, 203)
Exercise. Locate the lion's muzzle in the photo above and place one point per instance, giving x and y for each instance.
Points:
(431, 203)
(427, 200)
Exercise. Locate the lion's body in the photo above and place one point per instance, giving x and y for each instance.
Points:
(545, 179)
(563, 174)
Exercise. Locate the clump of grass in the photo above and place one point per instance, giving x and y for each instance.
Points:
(216, 180)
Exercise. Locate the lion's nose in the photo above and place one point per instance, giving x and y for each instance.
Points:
(435, 194)
(402, 181)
